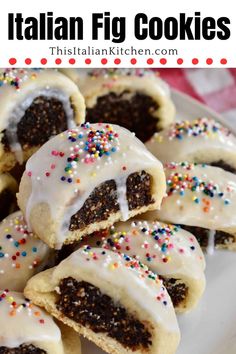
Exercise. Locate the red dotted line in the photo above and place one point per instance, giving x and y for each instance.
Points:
(117, 61)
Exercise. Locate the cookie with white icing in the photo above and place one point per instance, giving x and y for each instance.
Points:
(25, 328)
(85, 180)
(202, 199)
(202, 140)
(171, 252)
(21, 254)
(8, 190)
(35, 105)
(134, 98)
(111, 299)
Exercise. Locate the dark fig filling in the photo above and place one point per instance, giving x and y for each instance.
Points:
(224, 165)
(132, 111)
(103, 201)
(202, 235)
(8, 203)
(177, 291)
(17, 171)
(44, 118)
(66, 251)
(223, 238)
(85, 304)
(22, 349)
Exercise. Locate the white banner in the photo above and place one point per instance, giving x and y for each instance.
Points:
(105, 33)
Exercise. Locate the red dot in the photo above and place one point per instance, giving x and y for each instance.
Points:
(88, 61)
(195, 61)
(117, 61)
(104, 61)
(163, 61)
(58, 61)
(28, 61)
(223, 61)
(209, 61)
(133, 61)
(150, 61)
(12, 61)
(180, 61)
(43, 61)
(72, 61)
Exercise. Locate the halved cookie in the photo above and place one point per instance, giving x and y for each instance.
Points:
(171, 252)
(136, 99)
(85, 179)
(35, 105)
(202, 199)
(111, 299)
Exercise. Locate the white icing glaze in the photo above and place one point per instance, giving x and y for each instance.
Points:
(124, 280)
(211, 242)
(125, 155)
(95, 83)
(166, 249)
(15, 100)
(21, 254)
(202, 140)
(121, 197)
(189, 202)
(27, 324)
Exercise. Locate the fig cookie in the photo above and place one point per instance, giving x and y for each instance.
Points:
(202, 199)
(35, 105)
(86, 179)
(25, 328)
(171, 252)
(136, 99)
(111, 299)
(202, 140)
(21, 254)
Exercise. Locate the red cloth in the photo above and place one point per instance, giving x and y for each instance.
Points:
(214, 87)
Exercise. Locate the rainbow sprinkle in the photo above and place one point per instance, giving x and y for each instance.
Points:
(131, 264)
(181, 182)
(19, 251)
(87, 146)
(15, 77)
(199, 127)
(114, 73)
(16, 308)
(122, 240)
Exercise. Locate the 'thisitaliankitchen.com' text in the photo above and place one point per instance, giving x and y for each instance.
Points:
(93, 51)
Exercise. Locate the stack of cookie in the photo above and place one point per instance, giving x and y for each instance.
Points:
(104, 239)
(35, 105)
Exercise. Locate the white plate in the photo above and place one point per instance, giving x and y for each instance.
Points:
(211, 328)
